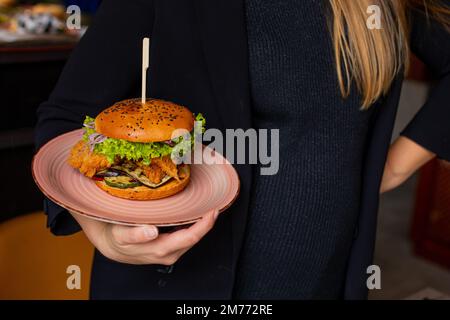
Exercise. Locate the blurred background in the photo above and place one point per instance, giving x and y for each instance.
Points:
(413, 242)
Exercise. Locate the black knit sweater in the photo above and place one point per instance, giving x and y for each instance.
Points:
(302, 220)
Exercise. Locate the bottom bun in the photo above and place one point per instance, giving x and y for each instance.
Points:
(145, 193)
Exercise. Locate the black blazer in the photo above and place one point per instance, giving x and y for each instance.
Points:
(199, 59)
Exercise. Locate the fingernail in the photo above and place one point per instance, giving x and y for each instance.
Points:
(216, 214)
(150, 232)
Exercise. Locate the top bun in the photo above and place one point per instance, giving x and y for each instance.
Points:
(153, 121)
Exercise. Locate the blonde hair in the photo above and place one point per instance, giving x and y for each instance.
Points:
(372, 58)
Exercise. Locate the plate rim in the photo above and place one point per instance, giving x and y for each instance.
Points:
(125, 223)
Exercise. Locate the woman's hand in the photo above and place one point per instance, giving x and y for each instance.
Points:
(143, 245)
(404, 158)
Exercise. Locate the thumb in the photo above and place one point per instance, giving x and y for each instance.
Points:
(124, 235)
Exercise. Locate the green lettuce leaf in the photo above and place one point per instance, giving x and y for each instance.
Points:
(135, 151)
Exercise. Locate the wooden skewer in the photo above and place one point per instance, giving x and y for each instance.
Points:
(145, 65)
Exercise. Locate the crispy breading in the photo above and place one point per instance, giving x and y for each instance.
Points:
(153, 172)
(167, 165)
(182, 171)
(87, 162)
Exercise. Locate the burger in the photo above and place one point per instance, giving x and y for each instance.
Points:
(129, 149)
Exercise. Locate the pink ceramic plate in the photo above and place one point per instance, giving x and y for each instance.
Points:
(212, 187)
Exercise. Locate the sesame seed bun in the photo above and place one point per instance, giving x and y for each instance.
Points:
(154, 121)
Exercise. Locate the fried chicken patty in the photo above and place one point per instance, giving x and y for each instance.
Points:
(153, 172)
(89, 163)
(167, 165)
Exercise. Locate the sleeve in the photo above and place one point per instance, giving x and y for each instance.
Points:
(430, 128)
(104, 68)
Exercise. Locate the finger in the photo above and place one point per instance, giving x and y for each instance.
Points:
(124, 235)
(186, 238)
